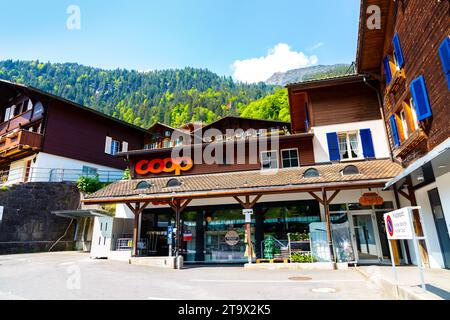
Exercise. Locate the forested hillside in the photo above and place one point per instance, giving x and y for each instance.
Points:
(173, 97)
(170, 96)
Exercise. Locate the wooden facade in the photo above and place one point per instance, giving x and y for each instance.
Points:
(421, 27)
(334, 101)
(42, 122)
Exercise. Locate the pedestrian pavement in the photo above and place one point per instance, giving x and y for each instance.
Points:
(73, 275)
(437, 281)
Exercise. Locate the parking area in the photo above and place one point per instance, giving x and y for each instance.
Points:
(73, 275)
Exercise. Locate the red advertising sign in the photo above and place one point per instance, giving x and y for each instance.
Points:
(155, 166)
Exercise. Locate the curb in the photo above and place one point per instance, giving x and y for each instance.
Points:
(398, 292)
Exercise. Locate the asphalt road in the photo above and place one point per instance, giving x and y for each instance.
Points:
(73, 275)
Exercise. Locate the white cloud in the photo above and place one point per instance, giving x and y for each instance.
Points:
(278, 59)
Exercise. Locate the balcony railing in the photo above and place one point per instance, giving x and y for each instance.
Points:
(19, 139)
(34, 174)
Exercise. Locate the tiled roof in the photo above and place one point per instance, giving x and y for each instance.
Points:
(370, 170)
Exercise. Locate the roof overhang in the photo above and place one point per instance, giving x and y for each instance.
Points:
(328, 82)
(266, 190)
(369, 51)
(73, 214)
(439, 158)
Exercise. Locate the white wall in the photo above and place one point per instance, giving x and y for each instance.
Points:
(429, 228)
(443, 184)
(46, 161)
(376, 127)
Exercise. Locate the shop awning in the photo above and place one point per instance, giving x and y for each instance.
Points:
(439, 157)
(73, 214)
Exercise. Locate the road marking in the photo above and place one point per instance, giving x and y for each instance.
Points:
(275, 281)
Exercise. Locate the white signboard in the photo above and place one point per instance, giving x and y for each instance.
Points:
(248, 215)
(1, 213)
(398, 224)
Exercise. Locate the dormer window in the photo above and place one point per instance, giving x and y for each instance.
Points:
(143, 185)
(311, 173)
(173, 183)
(349, 170)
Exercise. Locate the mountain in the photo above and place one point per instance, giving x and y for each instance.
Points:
(173, 97)
(309, 73)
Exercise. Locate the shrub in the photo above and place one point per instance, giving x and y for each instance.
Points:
(302, 257)
(299, 236)
(126, 174)
(90, 184)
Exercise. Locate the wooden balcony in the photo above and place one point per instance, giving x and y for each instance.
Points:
(410, 144)
(19, 144)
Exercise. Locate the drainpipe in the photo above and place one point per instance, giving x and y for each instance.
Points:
(380, 103)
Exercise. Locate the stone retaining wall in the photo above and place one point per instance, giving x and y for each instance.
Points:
(28, 225)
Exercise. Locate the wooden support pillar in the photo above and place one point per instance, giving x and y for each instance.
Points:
(248, 226)
(137, 210)
(178, 206)
(325, 201)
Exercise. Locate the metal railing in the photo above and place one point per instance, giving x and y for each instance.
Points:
(34, 174)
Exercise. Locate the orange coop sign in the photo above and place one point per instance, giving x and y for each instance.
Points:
(371, 198)
(155, 166)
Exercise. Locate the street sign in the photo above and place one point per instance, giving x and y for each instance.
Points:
(187, 235)
(248, 215)
(169, 234)
(398, 224)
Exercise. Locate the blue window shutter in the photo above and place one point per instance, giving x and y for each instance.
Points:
(398, 51)
(333, 146)
(367, 143)
(394, 131)
(387, 70)
(444, 52)
(420, 97)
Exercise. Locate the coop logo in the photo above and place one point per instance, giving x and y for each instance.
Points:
(155, 166)
(390, 225)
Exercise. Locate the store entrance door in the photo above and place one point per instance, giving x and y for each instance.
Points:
(366, 242)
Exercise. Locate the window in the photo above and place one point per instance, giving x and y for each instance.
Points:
(115, 147)
(166, 143)
(404, 124)
(173, 183)
(8, 114)
(167, 133)
(349, 145)
(311, 173)
(290, 158)
(413, 113)
(269, 160)
(143, 185)
(348, 170)
(89, 171)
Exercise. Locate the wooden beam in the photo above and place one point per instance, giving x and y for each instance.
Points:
(252, 204)
(239, 200)
(185, 204)
(333, 196)
(316, 197)
(328, 223)
(404, 194)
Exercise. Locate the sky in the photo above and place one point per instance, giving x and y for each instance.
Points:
(247, 39)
